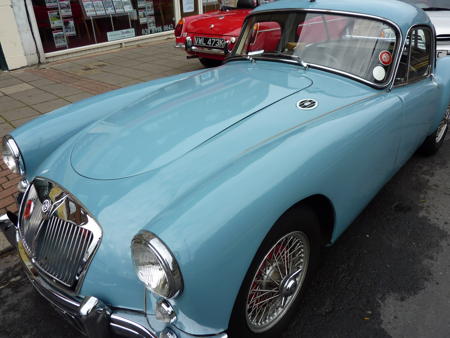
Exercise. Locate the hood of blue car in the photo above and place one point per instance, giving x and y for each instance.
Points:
(171, 121)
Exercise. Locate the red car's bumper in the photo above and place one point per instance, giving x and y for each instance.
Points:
(188, 44)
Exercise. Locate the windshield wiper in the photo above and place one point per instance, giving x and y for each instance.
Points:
(250, 55)
(299, 60)
(290, 56)
(436, 9)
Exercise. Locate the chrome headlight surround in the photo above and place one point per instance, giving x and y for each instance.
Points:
(12, 156)
(155, 265)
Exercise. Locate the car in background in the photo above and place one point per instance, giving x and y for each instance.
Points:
(197, 205)
(211, 36)
(439, 13)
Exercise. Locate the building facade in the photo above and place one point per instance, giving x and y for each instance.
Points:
(33, 31)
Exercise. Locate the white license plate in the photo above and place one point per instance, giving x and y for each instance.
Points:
(210, 42)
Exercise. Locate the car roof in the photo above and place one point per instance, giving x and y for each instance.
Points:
(401, 13)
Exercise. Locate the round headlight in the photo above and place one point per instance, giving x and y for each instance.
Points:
(12, 156)
(155, 265)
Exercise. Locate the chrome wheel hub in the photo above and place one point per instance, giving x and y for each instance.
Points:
(288, 286)
(277, 281)
(443, 126)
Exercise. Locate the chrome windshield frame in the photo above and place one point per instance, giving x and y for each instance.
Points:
(399, 43)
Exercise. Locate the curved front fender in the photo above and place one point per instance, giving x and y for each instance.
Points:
(242, 202)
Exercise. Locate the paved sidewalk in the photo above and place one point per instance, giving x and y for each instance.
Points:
(28, 93)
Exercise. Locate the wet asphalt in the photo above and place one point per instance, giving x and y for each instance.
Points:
(387, 276)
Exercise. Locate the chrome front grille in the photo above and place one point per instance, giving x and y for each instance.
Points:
(57, 232)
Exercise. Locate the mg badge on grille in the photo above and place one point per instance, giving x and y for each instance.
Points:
(46, 205)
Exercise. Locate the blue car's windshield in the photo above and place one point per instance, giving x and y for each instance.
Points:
(358, 46)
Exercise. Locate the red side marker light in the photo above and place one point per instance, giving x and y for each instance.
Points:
(29, 206)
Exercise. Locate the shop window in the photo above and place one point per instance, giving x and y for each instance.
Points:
(210, 5)
(67, 24)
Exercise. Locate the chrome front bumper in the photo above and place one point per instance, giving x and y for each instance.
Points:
(89, 315)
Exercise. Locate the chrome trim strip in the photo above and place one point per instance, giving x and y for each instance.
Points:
(128, 324)
(207, 50)
(119, 330)
(399, 39)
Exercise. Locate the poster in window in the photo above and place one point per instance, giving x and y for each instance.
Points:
(118, 5)
(88, 7)
(64, 7)
(149, 8)
(229, 3)
(188, 6)
(157, 29)
(69, 27)
(127, 6)
(98, 5)
(59, 38)
(109, 7)
(151, 21)
(51, 3)
(142, 16)
(55, 19)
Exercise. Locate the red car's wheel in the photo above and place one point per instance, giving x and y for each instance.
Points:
(208, 63)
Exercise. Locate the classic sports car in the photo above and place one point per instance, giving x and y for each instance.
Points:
(196, 205)
(211, 36)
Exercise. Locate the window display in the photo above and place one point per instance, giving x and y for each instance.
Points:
(65, 24)
(210, 5)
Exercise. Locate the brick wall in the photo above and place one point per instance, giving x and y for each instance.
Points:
(8, 189)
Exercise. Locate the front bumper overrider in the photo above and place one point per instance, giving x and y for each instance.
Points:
(88, 314)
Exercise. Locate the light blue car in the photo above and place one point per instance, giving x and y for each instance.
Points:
(197, 205)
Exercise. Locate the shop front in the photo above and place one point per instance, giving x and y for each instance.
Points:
(44, 30)
(68, 24)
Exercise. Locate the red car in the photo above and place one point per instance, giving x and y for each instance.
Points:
(211, 36)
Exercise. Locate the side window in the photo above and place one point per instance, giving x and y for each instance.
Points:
(420, 55)
(415, 62)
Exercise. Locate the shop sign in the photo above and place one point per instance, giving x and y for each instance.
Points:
(122, 34)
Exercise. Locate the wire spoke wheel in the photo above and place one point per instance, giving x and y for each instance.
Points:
(277, 281)
(443, 126)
